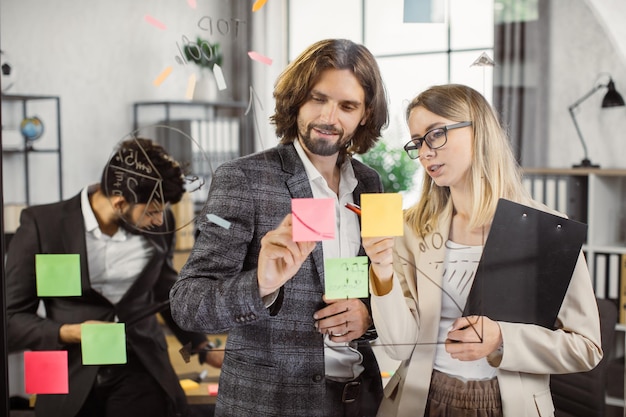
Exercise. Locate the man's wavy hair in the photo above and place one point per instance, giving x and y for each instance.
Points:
(294, 85)
(142, 171)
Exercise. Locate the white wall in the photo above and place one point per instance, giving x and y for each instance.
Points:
(99, 57)
(587, 39)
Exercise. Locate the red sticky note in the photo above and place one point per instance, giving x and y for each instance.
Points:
(46, 372)
(313, 219)
(213, 389)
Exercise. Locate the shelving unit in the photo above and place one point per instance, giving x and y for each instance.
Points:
(213, 133)
(165, 111)
(34, 167)
(596, 197)
(49, 144)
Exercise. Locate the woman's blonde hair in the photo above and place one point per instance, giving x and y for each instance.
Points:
(494, 172)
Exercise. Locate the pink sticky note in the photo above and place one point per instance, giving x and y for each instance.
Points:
(261, 58)
(154, 22)
(313, 219)
(213, 389)
(46, 372)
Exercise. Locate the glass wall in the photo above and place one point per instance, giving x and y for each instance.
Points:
(412, 56)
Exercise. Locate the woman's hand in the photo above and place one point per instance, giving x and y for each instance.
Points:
(380, 252)
(473, 337)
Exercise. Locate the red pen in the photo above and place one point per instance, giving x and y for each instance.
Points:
(354, 208)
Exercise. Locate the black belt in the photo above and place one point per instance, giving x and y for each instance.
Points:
(349, 390)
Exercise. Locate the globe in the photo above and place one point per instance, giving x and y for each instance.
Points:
(31, 128)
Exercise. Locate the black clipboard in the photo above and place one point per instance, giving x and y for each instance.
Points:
(526, 265)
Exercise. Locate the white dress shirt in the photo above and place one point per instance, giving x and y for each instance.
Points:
(343, 362)
(114, 262)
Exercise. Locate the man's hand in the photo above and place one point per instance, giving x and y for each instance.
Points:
(280, 257)
(215, 357)
(70, 333)
(343, 320)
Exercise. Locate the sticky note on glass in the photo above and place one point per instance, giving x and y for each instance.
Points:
(381, 215)
(313, 219)
(46, 372)
(212, 388)
(58, 275)
(103, 343)
(189, 385)
(346, 278)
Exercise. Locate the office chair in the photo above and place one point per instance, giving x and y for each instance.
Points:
(583, 394)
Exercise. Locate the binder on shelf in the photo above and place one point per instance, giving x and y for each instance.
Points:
(561, 194)
(622, 291)
(551, 193)
(526, 265)
(539, 183)
(613, 276)
(600, 274)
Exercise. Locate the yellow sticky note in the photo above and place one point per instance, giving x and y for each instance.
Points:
(188, 384)
(381, 215)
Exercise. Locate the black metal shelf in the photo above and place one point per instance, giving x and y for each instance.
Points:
(29, 148)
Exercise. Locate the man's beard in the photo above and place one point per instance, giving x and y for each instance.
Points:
(126, 222)
(320, 146)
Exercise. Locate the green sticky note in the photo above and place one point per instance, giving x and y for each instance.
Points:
(381, 215)
(58, 275)
(346, 278)
(103, 343)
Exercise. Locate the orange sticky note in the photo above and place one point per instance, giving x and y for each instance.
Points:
(258, 4)
(381, 215)
(162, 76)
(313, 219)
(46, 372)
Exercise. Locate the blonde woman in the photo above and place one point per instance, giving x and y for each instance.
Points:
(419, 280)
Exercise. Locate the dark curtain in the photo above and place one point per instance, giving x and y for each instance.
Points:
(521, 52)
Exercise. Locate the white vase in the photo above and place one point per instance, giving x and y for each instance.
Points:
(205, 88)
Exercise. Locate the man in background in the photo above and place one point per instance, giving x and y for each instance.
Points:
(123, 231)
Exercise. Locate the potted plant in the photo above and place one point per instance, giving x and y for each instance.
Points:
(395, 167)
(205, 55)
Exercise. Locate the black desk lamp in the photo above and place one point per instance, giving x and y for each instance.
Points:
(611, 99)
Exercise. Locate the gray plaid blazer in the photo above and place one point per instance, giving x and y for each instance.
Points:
(274, 363)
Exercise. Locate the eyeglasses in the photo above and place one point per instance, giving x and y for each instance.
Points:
(434, 138)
